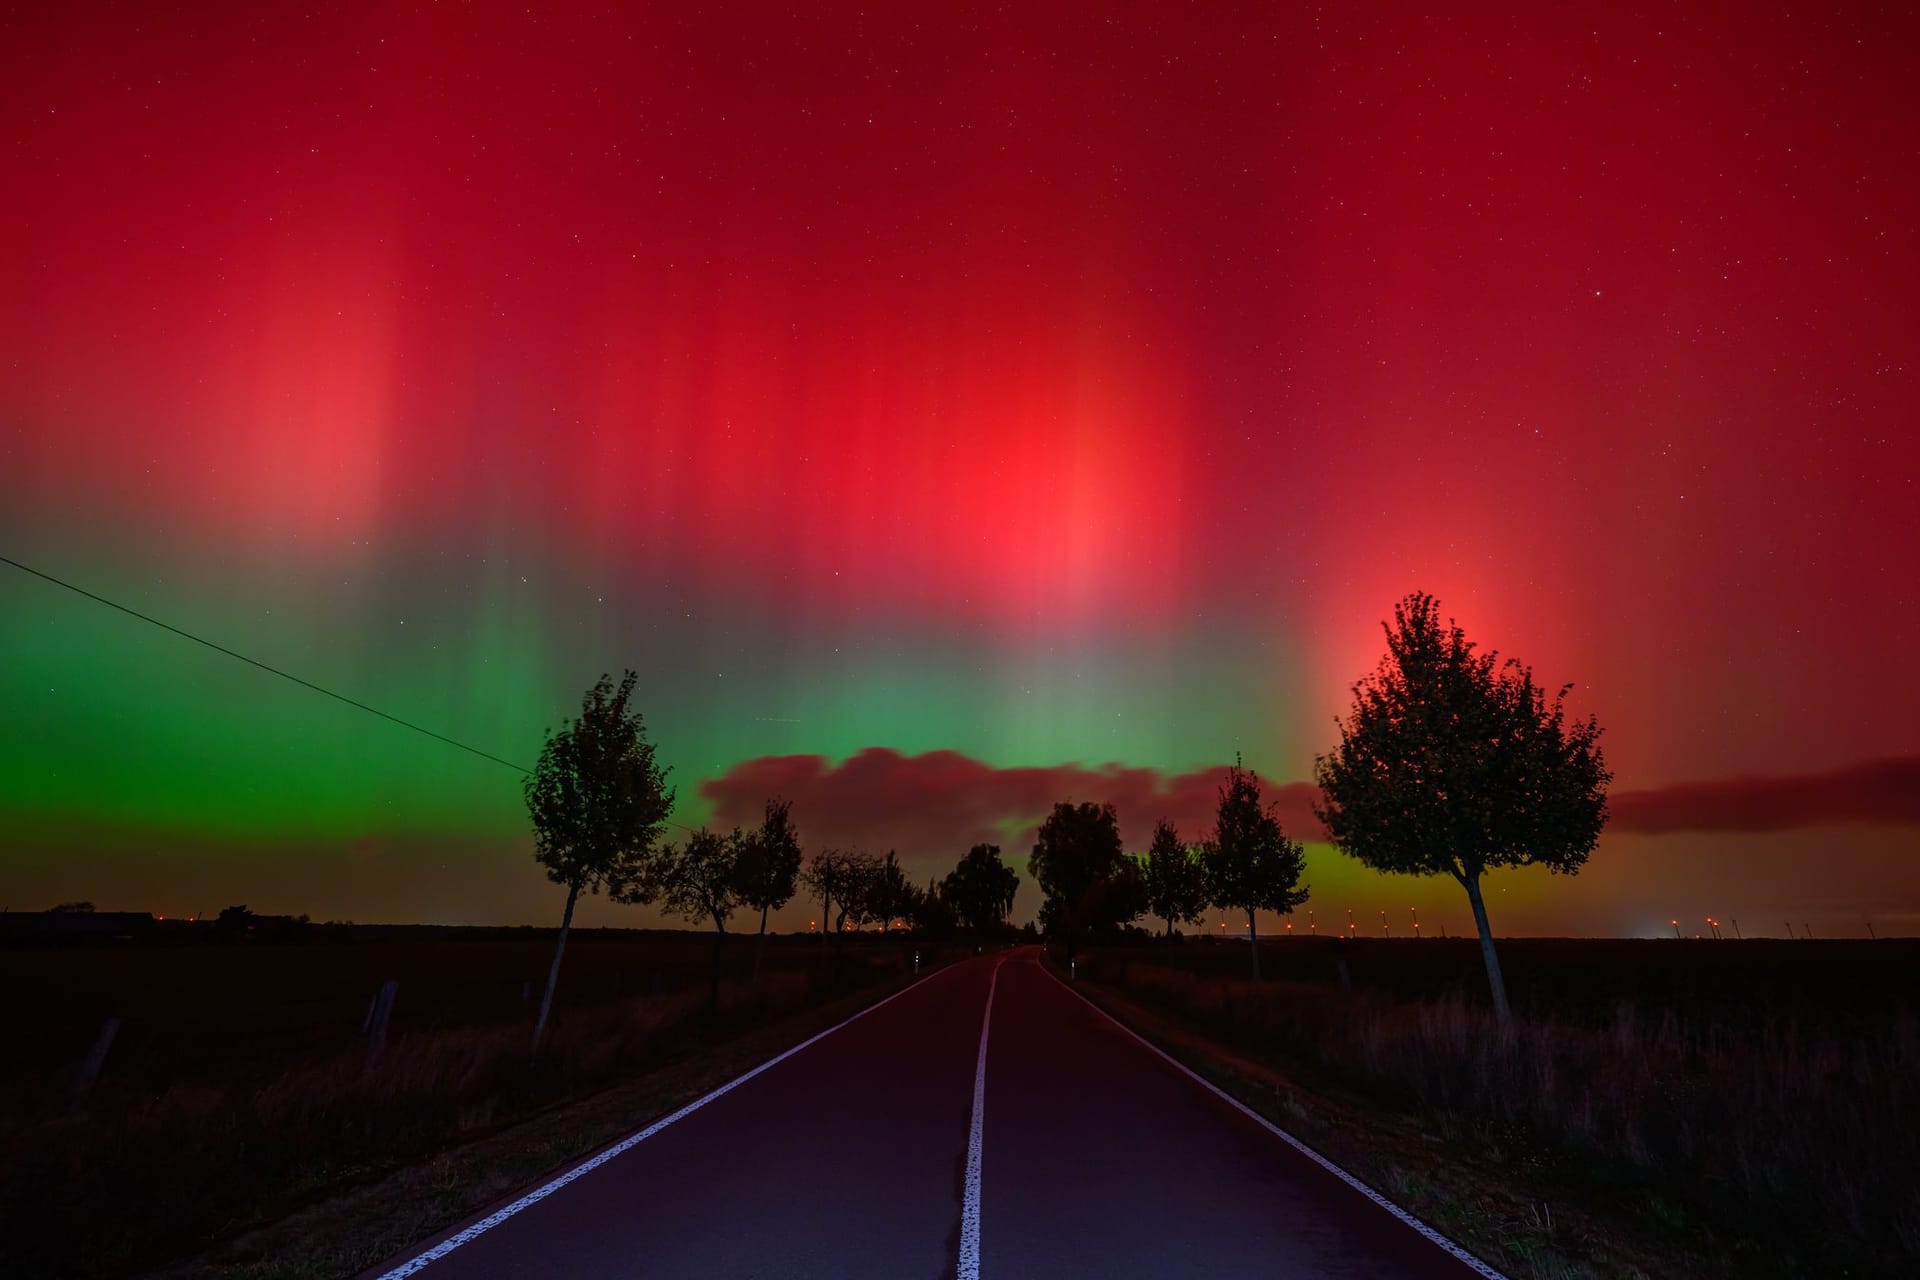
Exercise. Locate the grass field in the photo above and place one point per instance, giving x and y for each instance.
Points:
(1708, 1109)
(237, 1088)
(1728, 1108)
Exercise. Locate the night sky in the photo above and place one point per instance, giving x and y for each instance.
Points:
(1050, 390)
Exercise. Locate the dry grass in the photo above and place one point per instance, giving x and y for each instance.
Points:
(1791, 1139)
(156, 1164)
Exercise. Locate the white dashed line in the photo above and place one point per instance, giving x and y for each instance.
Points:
(969, 1266)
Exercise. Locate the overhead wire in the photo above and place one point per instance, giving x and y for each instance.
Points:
(355, 703)
(267, 667)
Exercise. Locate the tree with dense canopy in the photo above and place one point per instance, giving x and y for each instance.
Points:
(767, 868)
(933, 912)
(1175, 878)
(980, 888)
(1454, 762)
(1250, 864)
(1089, 883)
(597, 800)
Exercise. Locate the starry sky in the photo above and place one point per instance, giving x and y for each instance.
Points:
(944, 411)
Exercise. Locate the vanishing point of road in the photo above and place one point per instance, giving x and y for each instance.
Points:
(985, 1122)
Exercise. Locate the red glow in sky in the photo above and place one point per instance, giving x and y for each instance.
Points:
(1170, 346)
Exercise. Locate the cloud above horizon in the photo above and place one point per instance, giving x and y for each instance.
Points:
(1874, 792)
(942, 801)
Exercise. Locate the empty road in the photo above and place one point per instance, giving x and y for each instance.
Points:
(930, 1138)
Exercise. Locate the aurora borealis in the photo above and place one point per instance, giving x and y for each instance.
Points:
(1050, 387)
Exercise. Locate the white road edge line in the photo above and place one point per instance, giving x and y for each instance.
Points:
(420, 1262)
(968, 1267)
(1434, 1237)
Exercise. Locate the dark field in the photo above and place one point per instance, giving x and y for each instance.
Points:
(1721, 1108)
(237, 1087)
(1583, 980)
(194, 1009)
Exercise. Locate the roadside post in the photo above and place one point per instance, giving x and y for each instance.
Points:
(97, 1056)
(378, 1015)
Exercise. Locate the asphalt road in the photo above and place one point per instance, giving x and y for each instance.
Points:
(1095, 1157)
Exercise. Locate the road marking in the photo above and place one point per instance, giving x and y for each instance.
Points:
(420, 1262)
(1434, 1237)
(969, 1265)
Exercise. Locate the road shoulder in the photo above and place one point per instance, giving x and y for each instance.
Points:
(346, 1234)
(1525, 1230)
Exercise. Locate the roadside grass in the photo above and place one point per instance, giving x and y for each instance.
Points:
(372, 1223)
(165, 1162)
(1779, 1139)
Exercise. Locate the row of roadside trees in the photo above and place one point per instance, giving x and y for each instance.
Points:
(1450, 762)
(599, 801)
(1245, 865)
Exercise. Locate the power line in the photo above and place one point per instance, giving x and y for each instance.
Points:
(284, 675)
(255, 662)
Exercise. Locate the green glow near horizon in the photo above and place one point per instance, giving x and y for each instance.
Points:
(118, 723)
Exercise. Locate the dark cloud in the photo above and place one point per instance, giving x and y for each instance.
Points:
(1879, 791)
(939, 803)
(942, 802)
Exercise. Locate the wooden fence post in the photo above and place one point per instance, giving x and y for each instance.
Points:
(97, 1056)
(378, 1015)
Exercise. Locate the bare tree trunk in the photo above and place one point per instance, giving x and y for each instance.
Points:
(713, 986)
(553, 974)
(761, 945)
(1495, 983)
(1253, 943)
(839, 946)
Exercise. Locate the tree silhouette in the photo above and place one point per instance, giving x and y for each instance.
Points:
(859, 894)
(1176, 880)
(768, 867)
(1453, 762)
(831, 875)
(1089, 883)
(980, 888)
(699, 881)
(821, 878)
(838, 877)
(888, 895)
(1250, 864)
(597, 800)
(933, 912)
